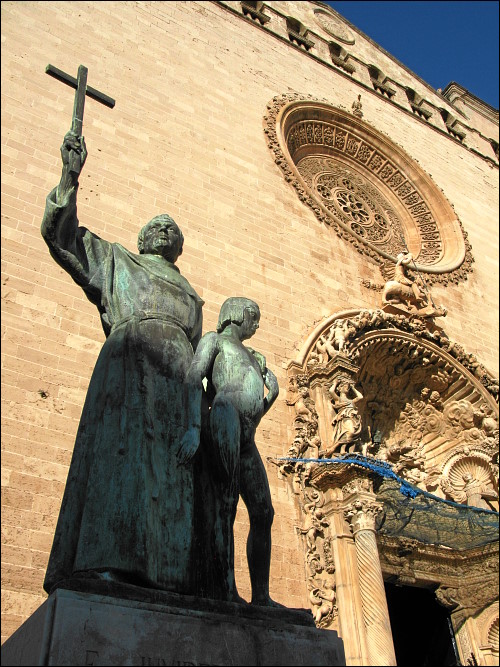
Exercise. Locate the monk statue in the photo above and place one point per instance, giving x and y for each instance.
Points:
(127, 510)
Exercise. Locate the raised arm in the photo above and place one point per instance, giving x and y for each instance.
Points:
(200, 368)
(60, 223)
(82, 254)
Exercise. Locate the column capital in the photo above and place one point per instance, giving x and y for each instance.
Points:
(361, 514)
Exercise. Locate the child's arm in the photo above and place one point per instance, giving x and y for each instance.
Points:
(273, 389)
(200, 367)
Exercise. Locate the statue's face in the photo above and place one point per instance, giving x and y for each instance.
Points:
(250, 324)
(162, 237)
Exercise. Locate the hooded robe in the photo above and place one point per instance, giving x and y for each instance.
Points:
(128, 505)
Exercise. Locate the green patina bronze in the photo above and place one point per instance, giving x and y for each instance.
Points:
(159, 462)
(230, 463)
(127, 511)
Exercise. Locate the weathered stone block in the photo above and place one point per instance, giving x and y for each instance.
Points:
(155, 628)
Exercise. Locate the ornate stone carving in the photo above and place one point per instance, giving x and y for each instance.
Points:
(488, 628)
(351, 198)
(346, 421)
(362, 514)
(408, 378)
(323, 601)
(466, 581)
(427, 408)
(468, 597)
(333, 25)
(313, 525)
(329, 345)
(385, 212)
(468, 477)
(306, 418)
(408, 293)
(319, 558)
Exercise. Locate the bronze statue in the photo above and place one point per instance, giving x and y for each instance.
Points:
(236, 376)
(127, 510)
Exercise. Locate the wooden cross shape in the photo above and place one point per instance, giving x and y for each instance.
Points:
(80, 83)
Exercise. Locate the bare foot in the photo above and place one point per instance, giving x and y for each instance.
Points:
(267, 602)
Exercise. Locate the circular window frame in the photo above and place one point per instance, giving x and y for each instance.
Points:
(288, 111)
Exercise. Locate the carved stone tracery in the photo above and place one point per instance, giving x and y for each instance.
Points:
(364, 187)
(319, 559)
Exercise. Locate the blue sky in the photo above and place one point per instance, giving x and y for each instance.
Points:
(441, 41)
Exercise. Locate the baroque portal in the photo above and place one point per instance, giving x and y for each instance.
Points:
(395, 427)
(411, 496)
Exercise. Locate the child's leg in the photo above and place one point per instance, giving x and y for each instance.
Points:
(254, 489)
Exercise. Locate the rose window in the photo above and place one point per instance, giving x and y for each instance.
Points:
(357, 181)
(359, 206)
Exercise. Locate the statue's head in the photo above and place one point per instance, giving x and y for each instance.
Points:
(161, 236)
(405, 257)
(239, 310)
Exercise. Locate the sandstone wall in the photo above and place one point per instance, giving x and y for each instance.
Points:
(191, 81)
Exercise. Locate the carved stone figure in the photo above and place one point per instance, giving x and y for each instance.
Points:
(236, 375)
(313, 525)
(322, 601)
(403, 291)
(477, 494)
(325, 349)
(356, 107)
(127, 510)
(347, 421)
(303, 413)
(339, 332)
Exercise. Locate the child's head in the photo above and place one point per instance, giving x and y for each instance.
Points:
(233, 311)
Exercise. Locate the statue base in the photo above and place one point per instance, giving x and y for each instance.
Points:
(115, 624)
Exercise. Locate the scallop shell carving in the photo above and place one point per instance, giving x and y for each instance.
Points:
(477, 467)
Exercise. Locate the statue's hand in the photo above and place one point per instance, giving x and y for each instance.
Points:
(74, 143)
(189, 445)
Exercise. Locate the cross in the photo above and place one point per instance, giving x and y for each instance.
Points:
(82, 89)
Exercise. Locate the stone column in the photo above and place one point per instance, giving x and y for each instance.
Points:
(361, 514)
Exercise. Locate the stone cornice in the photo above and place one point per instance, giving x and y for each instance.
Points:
(454, 90)
(361, 84)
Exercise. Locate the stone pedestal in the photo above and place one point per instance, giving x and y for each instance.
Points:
(153, 628)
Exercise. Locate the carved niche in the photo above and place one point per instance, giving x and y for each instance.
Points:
(366, 188)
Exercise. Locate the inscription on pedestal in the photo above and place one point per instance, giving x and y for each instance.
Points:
(73, 628)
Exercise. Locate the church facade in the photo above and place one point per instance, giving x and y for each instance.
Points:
(312, 172)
